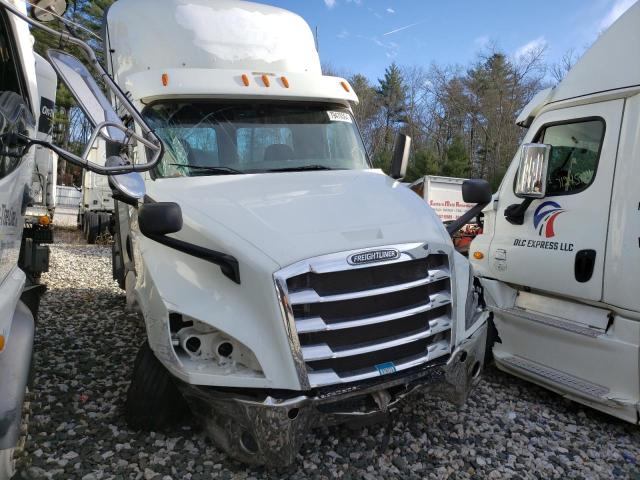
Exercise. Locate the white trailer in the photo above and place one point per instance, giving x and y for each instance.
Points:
(444, 195)
(559, 257)
(21, 90)
(284, 283)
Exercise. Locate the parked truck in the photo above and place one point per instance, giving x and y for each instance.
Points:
(21, 91)
(284, 283)
(96, 206)
(41, 201)
(559, 258)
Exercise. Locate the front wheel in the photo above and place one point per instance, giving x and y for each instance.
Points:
(153, 401)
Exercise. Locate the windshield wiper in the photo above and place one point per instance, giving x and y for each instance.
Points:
(301, 169)
(207, 169)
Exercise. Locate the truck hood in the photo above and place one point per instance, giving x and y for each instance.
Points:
(297, 215)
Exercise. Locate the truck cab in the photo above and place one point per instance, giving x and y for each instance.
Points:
(284, 283)
(558, 258)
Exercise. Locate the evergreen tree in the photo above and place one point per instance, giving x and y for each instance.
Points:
(392, 95)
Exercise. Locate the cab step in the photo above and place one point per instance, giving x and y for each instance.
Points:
(553, 377)
(549, 321)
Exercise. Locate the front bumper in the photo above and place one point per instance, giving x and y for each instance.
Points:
(269, 427)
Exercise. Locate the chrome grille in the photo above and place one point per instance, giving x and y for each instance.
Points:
(348, 323)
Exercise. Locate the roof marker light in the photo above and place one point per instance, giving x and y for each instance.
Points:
(285, 82)
(245, 80)
(165, 79)
(345, 85)
(265, 80)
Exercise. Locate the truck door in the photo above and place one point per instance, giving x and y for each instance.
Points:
(15, 171)
(560, 247)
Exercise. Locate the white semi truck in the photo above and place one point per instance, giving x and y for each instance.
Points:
(284, 283)
(21, 90)
(559, 258)
(96, 204)
(41, 201)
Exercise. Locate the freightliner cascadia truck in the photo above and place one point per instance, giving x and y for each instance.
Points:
(284, 282)
(559, 257)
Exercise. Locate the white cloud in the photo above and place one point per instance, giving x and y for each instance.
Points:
(530, 47)
(618, 8)
(330, 3)
(390, 10)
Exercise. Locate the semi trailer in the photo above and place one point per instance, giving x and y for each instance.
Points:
(284, 282)
(559, 258)
(21, 114)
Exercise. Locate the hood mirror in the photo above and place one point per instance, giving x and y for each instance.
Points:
(48, 10)
(128, 187)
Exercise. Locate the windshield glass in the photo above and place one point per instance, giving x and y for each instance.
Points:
(205, 138)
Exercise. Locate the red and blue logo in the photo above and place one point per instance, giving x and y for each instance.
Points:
(545, 217)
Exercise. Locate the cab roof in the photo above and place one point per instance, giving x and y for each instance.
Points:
(208, 34)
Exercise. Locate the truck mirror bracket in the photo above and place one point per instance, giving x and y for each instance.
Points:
(228, 265)
(515, 213)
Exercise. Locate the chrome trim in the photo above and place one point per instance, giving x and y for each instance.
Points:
(329, 377)
(337, 262)
(317, 324)
(314, 353)
(311, 296)
(292, 335)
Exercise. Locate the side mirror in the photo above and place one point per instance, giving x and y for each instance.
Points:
(476, 191)
(127, 187)
(473, 191)
(400, 156)
(531, 181)
(161, 218)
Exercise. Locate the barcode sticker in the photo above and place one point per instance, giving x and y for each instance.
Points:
(340, 117)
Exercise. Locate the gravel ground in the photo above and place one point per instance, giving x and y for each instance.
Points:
(85, 347)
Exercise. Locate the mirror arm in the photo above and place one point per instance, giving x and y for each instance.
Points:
(515, 213)
(456, 225)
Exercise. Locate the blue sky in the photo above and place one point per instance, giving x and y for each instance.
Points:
(365, 36)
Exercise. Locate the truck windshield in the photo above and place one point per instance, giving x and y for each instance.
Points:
(205, 138)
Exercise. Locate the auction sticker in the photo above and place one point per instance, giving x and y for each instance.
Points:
(340, 117)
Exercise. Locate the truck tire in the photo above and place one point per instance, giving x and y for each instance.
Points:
(93, 228)
(154, 402)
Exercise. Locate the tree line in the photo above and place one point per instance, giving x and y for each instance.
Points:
(461, 118)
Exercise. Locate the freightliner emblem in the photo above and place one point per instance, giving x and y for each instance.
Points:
(374, 256)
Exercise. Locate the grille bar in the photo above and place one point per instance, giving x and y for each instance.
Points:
(329, 377)
(310, 296)
(317, 324)
(314, 353)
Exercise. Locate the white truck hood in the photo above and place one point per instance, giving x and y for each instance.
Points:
(299, 215)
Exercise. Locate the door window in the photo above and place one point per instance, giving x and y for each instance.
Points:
(11, 99)
(575, 151)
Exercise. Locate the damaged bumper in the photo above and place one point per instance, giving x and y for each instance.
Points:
(269, 427)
